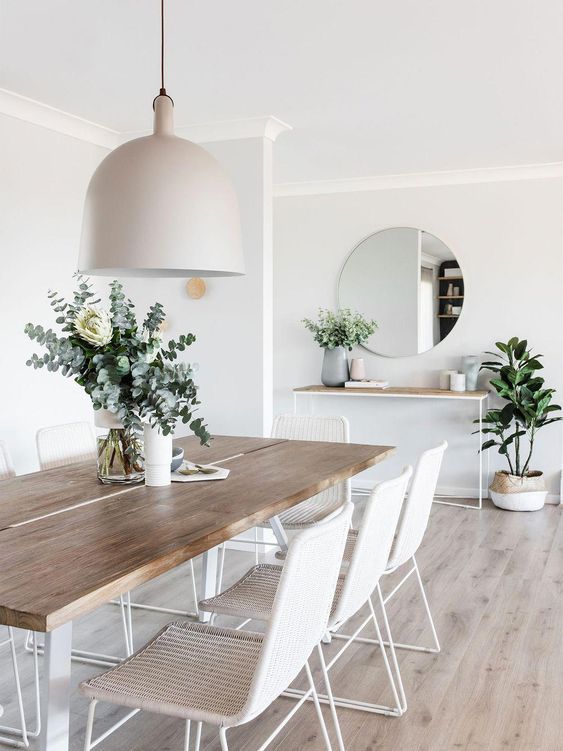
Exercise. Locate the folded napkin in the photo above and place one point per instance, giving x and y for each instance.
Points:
(190, 472)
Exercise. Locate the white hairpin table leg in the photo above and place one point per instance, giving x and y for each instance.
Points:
(55, 706)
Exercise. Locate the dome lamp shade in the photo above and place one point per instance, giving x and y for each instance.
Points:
(161, 206)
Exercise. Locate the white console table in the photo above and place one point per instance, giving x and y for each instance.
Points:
(409, 392)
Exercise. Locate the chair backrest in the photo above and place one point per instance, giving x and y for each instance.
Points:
(65, 444)
(6, 466)
(371, 550)
(301, 608)
(317, 428)
(417, 507)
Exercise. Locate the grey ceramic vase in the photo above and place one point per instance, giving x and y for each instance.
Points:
(335, 367)
(470, 366)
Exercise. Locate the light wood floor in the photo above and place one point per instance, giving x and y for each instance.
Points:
(495, 583)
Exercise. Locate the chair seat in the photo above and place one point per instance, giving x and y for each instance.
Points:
(312, 511)
(189, 670)
(253, 595)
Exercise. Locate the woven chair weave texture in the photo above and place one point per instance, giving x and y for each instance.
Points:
(417, 507)
(62, 445)
(313, 428)
(6, 466)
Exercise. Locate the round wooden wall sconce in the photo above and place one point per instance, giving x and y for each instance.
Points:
(195, 288)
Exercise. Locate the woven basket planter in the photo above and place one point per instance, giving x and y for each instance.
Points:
(515, 493)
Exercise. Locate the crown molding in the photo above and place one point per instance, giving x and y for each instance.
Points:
(23, 108)
(38, 113)
(421, 179)
(268, 127)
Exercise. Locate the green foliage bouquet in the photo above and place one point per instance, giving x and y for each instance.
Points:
(124, 367)
(341, 329)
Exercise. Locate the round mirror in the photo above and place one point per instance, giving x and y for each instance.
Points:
(410, 283)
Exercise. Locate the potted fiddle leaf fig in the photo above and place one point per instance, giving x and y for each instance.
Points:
(336, 333)
(513, 428)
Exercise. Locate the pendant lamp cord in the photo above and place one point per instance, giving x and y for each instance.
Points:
(162, 87)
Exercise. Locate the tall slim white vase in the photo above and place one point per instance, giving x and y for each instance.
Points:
(158, 455)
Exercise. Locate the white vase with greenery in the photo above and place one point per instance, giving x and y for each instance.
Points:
(130, 375)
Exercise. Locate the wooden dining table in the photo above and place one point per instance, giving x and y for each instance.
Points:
(69, 544)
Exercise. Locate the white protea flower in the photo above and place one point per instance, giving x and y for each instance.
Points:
(94, 326)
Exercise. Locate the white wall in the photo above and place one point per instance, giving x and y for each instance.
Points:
(508, 238)
(43, 179)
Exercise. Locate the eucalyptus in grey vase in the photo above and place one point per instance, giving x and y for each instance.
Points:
(335, 367)
(470, 366)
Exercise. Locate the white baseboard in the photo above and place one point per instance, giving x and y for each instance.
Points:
(362, 487)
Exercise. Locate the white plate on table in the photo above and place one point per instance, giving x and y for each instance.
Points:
(220, 474)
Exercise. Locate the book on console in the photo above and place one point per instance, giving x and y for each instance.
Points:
(367, 384)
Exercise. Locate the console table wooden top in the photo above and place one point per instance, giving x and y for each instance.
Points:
(394, 391)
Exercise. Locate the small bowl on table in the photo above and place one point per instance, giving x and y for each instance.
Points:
(177, 458)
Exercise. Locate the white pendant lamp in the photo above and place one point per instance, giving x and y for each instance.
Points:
(161, 206)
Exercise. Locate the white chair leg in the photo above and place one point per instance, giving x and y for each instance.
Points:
(256, 556)
(125, 624)
(385, 660)
(187, 735)
(390, 642)
(318, 708)
(426, 606)
(198, 736)
(221, 566)
(90, 725)
(330, 699)
(194, 587)
(223, 739)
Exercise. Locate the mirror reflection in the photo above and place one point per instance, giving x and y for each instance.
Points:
(410, 282)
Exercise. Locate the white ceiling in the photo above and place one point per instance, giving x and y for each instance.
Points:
(371, 87)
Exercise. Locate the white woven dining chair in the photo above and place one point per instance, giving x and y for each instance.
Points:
(6, 466)
(252, 596)
(61, 445)
(18, 737)
(320, 506)
(410, 533)
(227, 677)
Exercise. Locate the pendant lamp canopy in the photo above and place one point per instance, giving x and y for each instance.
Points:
(161, 206)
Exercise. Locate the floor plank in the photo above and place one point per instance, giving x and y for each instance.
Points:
(495, 583)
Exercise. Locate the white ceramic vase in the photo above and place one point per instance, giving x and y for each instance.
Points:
(158, 456)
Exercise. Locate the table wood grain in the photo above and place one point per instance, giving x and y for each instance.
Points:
(65, 565)
(26, 497)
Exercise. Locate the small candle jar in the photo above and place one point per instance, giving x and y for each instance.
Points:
(457, 382)
(357, 369)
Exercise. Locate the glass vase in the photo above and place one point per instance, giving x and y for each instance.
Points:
(120, 457)
(120, 452)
